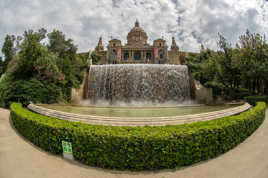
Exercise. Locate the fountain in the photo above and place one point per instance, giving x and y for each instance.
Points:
(137, 95)
(155, 83)
(109, 87)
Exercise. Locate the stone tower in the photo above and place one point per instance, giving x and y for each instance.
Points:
(174, 54)
(99, 47)
(174, 46)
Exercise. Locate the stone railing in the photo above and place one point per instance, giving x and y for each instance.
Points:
(139, 121)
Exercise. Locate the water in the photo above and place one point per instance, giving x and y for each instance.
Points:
(137, 112)
(154, 83)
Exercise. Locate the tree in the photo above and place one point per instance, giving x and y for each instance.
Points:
(227, 67)
(1, 67)
(8, 50)
(30, 51)
(61, 46)
(243, 69)
(253, 61)
(71, 64)
(41, 73)
(95, 57)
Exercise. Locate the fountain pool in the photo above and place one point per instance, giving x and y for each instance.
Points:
(137, 112)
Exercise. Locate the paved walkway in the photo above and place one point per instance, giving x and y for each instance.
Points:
(20, 159)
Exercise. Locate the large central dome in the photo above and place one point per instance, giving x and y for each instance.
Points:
(137, 35)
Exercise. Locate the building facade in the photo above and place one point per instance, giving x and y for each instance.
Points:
(137, 50)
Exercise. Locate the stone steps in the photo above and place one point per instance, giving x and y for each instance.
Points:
(139, 121)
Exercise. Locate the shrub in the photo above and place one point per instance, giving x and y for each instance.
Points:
(241, 93)
(217, 87)
(138, 148)
(254, 99)
(25, 91)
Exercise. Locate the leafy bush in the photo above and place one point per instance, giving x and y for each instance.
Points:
(217, 87)
(27, 91)
(254, 99)
(138, 148)
(241, 93)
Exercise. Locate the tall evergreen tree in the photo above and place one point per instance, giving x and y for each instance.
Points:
(8, 50)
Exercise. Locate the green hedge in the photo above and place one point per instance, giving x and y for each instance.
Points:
(138, 148)
(254, 99)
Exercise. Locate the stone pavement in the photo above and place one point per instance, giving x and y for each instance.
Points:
(20, 159)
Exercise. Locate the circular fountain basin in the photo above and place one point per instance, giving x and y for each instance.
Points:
(138, 111)
(138, 116)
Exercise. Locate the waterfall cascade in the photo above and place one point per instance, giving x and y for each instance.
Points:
(156, 83)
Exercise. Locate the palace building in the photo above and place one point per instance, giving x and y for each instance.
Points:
(137, 50)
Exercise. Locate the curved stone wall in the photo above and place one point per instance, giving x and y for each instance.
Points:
(139, 121)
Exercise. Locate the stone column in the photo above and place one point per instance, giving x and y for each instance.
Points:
(143, 58)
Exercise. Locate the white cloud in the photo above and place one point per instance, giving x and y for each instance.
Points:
(192, 22)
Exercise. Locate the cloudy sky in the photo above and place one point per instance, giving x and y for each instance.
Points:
(191, 22)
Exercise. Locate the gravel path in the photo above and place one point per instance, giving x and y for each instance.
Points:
(20, 159)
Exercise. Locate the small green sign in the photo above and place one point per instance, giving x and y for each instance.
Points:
(67, 147)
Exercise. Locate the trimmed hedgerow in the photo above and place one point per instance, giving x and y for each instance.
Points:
(138, 148)
(252, 100)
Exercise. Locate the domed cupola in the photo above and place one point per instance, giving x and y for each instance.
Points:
(137, 35)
